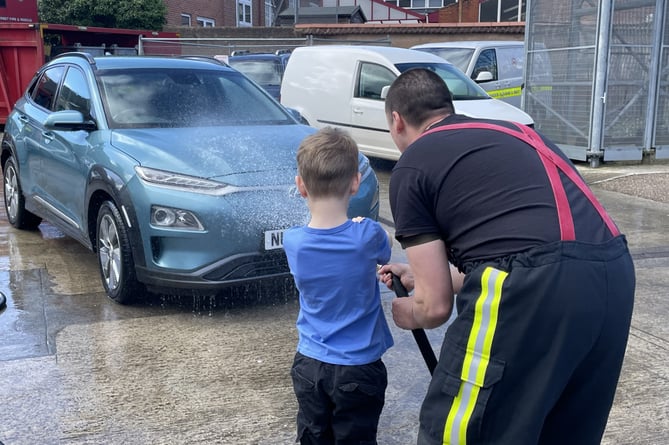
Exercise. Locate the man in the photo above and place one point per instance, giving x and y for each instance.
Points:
(545, 286)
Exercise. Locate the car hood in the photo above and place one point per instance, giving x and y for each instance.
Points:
(492, 109)
(241, 156)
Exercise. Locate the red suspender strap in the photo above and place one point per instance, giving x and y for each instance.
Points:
(553, 163)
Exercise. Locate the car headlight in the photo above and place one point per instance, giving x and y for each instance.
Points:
(173, 180)
(168, 217)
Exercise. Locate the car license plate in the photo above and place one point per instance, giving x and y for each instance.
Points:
(274, 239)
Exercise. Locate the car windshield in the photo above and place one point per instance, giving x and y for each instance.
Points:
(461, 86)
(459, 57)
(139, 98)
(263, 72)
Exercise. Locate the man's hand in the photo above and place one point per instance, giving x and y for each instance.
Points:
(403, 271)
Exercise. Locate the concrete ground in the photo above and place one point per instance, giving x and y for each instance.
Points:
(76, 368)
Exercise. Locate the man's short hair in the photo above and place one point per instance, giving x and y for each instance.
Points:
(327, 161)
(419, 94)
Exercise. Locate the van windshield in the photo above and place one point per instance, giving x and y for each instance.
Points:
(459, 57)
(461, 86)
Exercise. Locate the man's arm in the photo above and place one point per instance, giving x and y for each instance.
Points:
(432, 300)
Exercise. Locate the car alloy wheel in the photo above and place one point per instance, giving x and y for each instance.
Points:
(114, 255)
(17, 214)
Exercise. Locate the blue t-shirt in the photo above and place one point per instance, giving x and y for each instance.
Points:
(341, 320)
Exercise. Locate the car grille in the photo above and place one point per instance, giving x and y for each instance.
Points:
(250, 267)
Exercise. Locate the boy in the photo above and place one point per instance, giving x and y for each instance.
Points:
(338, 376)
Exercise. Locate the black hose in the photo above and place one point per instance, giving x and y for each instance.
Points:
(418, 334)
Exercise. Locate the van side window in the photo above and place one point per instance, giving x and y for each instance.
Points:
(371, 80)
(510, 62)
(486, 62)
(47, 86)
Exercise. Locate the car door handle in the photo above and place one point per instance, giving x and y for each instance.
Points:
(48, 136)
(357, 110)
(23, 118)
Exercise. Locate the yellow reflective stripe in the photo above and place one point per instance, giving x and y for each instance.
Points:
(505, 92)
(477, 357)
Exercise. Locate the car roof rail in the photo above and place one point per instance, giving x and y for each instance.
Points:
(240, 52)
(89, 58)
(211, 59)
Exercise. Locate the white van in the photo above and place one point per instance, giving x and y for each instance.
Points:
(340, 86)
(496, 65)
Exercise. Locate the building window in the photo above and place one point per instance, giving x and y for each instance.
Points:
(421, 4)
(206, 22)
(244, 13)
(185, 20)
(502, 11)
(269, 13)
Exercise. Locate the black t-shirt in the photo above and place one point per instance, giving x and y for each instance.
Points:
(483, 192)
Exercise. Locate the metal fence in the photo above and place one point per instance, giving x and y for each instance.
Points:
(224, 46)
(597, 77)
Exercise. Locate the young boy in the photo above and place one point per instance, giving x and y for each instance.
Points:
(338, 376)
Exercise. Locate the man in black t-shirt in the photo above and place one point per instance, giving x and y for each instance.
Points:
(544, 279)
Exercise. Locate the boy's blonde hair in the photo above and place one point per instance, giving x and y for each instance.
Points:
(327, 162)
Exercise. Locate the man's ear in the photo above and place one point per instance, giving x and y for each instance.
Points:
(397, 121)
(355, 183)
(300, 186)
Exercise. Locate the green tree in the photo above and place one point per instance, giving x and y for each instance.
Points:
(130, 14)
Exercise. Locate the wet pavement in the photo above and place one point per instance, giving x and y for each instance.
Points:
(76, 368)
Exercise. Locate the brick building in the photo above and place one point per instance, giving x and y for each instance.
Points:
(219, 13)
(254, 13)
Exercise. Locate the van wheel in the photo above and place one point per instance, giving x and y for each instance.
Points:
(15, 203)
(117, 268)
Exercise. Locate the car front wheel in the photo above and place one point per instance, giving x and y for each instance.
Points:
(117, 267)
(15, 207)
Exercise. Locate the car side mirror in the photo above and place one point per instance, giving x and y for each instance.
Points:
(384, 92)
(483, 76)
(68, 120)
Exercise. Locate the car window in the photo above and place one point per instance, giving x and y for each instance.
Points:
(45, 90)
(460, 57)
(263, 72)
(371, 80)
(510, 62)
(486, 62)
(74, 93)
(138, 98)
(461, 86)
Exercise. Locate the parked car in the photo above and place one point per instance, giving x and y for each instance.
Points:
(178, 173)
(343, 86)
(496, 65)
(264, 69)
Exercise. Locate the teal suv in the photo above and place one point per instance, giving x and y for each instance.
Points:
(178, 173)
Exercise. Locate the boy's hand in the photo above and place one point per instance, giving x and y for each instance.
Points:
(403, 271)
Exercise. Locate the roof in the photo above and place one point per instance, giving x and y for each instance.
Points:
(324, 14)
(470, 44)
(321, 30)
